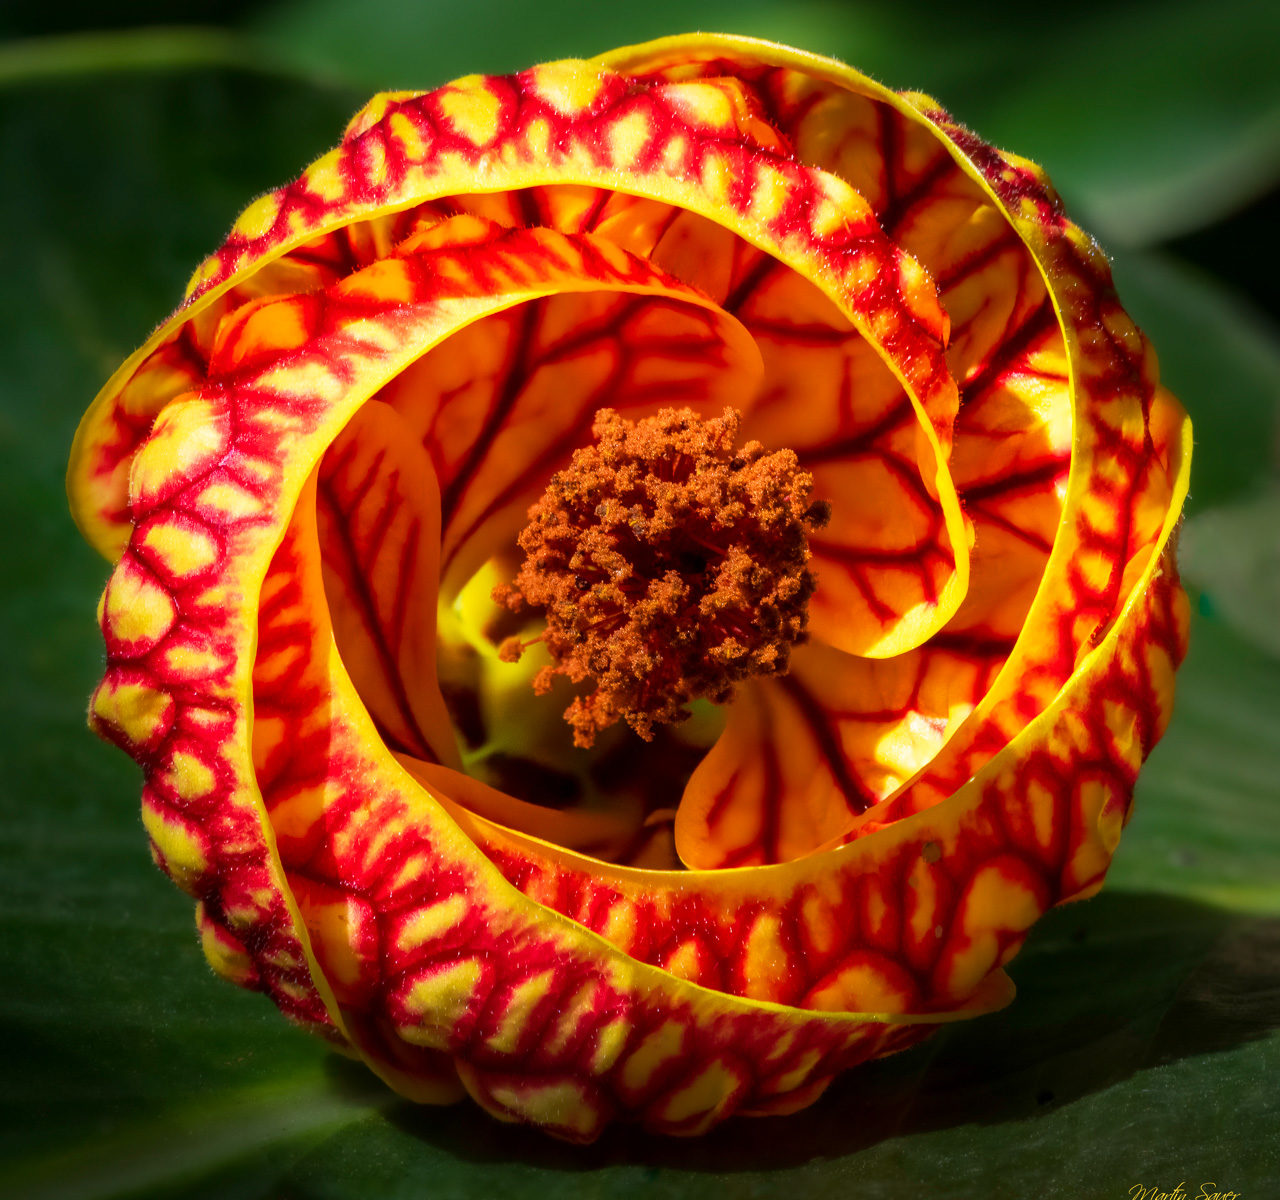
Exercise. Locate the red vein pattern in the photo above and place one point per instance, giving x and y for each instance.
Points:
(380, 531)
(307, 476)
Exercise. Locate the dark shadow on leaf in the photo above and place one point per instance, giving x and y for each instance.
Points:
(1107, 989)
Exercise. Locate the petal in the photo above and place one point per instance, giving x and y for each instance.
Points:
(429, 952)
(1037, 332)
(886, 564)
(699, 152)
(1129, 467)
(601, 834)
(805, 754)
(1143, 640)
(292, 756)
(379, 520)
(945, 897)
(1005, 346)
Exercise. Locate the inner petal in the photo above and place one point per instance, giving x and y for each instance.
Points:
(1011, 458)
(802, 756)
(378, 518)
(892, 564)
(503, 404)
(378, 506)
(1012, 438)
(505, 400)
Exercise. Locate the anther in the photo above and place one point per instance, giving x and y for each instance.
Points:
(669, 564)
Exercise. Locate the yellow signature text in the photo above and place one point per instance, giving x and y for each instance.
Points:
(1208, 1191)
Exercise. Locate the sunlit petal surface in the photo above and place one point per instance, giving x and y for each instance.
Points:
(311, 478)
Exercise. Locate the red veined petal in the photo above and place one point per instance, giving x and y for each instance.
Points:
(672, 149)
(1055, 552)
(379, 518)
(352, 842)
(803, 755)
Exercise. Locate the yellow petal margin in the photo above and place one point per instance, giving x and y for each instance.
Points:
(375, 375)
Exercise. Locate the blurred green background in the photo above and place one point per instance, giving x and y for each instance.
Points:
(1143, 1047)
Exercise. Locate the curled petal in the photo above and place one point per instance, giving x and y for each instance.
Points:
(306, 477)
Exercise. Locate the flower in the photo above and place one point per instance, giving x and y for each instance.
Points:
(463, 409)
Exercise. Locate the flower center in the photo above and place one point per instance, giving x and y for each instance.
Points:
(668, 565)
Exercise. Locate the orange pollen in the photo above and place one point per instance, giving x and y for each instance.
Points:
(669, 566)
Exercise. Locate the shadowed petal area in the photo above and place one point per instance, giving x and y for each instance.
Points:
(379, 527)
(604, 833)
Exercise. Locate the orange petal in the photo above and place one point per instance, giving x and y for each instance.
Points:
(354, 847)
(947, 896)
(379, 521)
(803, 755)
(502, 405)
(1040, 375)
(1128, 470)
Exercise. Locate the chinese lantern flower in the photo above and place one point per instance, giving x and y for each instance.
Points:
(637, 582)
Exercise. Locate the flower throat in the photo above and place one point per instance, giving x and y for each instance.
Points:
(668, 564)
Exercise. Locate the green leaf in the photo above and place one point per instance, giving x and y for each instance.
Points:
(1207, 817)
(111, 194)
(78, 55)
(390, 44)
(1142, 1048)
(1221, 358)
(1232, 556)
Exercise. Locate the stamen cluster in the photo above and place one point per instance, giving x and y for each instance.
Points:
(670, 566)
